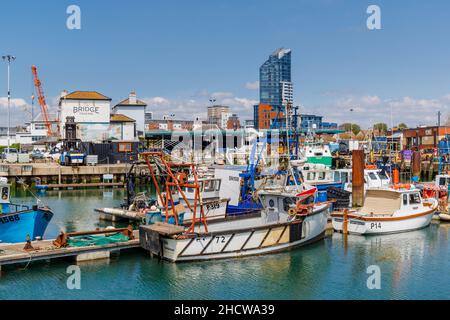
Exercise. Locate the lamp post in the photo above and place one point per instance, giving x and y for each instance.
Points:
(9, 58)
(212, 100)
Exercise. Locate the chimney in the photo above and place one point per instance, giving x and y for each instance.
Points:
(132, 98)
(64, 93)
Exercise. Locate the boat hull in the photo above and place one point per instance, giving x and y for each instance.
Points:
(243, 242)
(444, 217)
(377, 226)
(15, 227)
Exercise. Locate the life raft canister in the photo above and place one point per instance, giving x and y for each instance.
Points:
(398, 186)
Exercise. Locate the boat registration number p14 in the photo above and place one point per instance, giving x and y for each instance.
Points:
(375, 225)
(9, 219)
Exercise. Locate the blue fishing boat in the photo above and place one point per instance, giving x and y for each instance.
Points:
(17, 222)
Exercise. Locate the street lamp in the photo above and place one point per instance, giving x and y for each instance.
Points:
(8, 59)
(212, 100)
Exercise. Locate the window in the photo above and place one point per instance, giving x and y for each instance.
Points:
(372, 176)
(5, 193)
(310, 176)
(209, 186)
(40, 126)
(322, 175)
(414, 198)
(383, 175)
(125, 147)
(218, 185)
(405, 200)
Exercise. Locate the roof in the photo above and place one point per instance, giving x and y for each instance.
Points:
(126, 102)
(85, 95)
(121, 118)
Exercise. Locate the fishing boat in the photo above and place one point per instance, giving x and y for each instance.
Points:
(319, 175)
(287, 221)
(438, 190)
(19, 222)
(397, 209)
(317, 153)
(373, 178)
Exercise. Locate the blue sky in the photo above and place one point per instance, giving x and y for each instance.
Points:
(177, 54)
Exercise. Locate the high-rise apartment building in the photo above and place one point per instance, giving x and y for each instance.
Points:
(275, 89)
(275, 79)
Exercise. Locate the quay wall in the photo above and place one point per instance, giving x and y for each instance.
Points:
(46, 173)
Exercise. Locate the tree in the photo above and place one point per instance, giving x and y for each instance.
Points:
(402, 126)
(353, 127)
(380, 127)
(356, 129)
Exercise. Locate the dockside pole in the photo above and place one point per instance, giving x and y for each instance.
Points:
(416, 166)
(358, 178)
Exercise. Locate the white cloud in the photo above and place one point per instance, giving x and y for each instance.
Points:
(196, 106)
(20, 111)
(156, 101)
(367, 110)
(252, 85)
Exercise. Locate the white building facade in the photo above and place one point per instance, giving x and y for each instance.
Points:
(92, 112)
(134, 109)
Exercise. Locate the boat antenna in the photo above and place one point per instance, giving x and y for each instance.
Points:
(27, 188)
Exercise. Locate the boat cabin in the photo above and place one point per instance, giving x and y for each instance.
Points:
(387, 202)
(373, 178)
(442, 180)
(318, 153)
(314, 174)
(209, 189)
(5, 190)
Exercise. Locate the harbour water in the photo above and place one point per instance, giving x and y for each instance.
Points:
(413, 265)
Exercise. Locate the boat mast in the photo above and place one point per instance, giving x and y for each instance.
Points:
(289, 167)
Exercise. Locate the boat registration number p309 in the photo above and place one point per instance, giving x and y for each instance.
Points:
(8, 219)
(212, 206)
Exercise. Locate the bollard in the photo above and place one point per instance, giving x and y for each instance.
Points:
(358, 178)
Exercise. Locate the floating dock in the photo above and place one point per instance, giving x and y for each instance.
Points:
(46, 250)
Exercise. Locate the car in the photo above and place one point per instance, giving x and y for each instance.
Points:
(10, 150)
(37, 154)
(54, 154)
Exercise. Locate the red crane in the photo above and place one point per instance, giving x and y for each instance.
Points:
(41, 99)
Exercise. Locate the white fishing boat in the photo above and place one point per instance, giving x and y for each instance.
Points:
(317, 153)
(287, 221)
(373, 179)
(385, 211)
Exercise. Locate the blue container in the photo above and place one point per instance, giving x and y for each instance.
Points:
(322, 196)
(171, 219)
(153, 217)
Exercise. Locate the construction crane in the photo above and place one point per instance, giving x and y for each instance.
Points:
(42, 103)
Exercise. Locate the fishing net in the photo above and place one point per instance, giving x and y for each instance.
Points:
(89, 240)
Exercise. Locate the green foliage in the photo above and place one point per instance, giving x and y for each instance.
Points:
(13, 146)
(356, 129)
(381, 127)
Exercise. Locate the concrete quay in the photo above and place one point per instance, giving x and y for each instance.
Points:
(53, 173)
